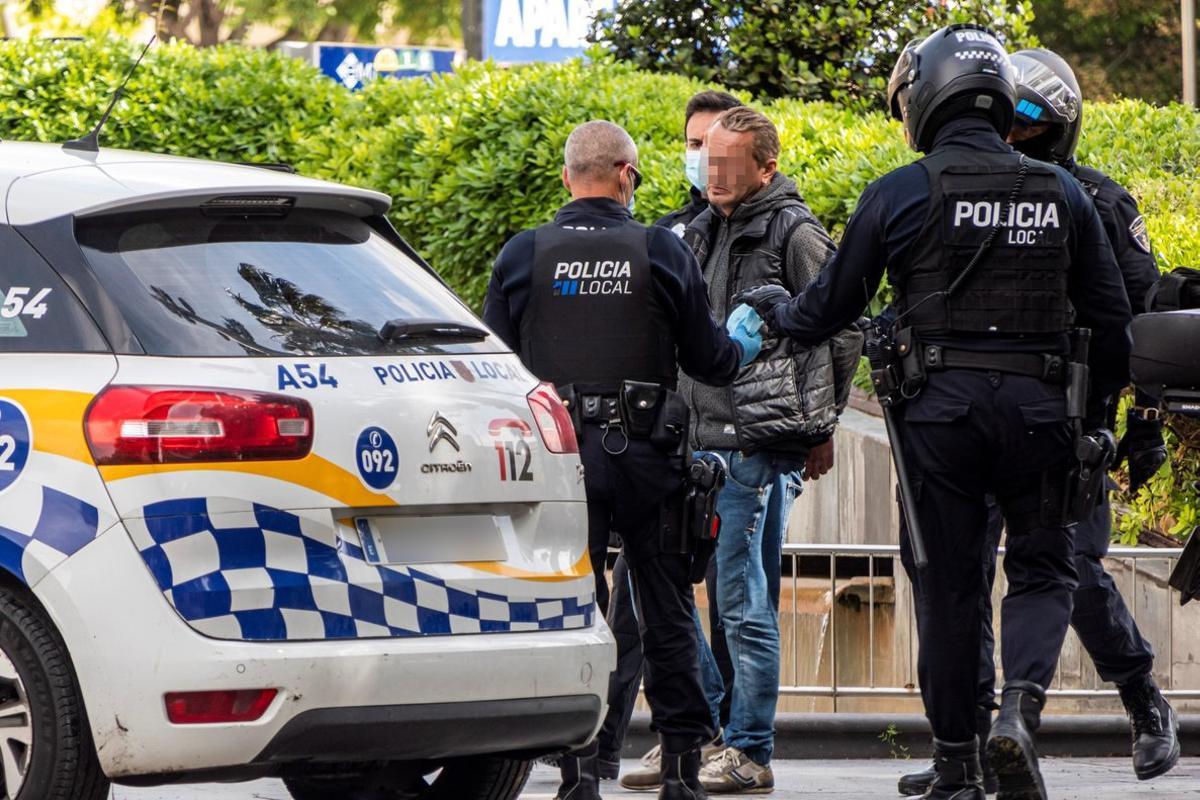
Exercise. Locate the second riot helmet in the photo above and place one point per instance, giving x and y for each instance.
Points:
(1048, 94)
(957, 70)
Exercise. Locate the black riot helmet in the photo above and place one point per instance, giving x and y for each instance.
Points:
(958, 70)
(1047, 93)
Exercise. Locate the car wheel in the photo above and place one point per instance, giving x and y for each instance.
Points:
(46, 748)
(482, 778)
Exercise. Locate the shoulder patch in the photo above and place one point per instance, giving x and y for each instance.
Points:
(678, 228)
(1140, 234)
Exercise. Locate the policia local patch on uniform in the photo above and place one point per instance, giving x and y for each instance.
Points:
(1140, 234)
(969, 220)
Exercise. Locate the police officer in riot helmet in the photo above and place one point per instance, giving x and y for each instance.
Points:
(609, 310)
(1049, 118)
(995, 260)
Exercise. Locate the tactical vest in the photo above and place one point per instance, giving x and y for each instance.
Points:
(787, 397)
(1092, 179)
(1019, 287)
(594, 318)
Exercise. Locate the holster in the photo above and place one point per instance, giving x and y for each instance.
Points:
(1094, 452)
(689, 523)
(570, 399)
(912, 362)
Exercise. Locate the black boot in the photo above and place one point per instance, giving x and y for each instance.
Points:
(956, 771)
(1010, 748)
(916, 783)
(580, 780)
(1155, 728)
(681, 775)
(983, 729)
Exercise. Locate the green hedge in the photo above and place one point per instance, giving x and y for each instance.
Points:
(474, 157)
(223, 103)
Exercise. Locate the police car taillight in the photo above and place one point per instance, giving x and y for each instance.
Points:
(158, 425)
(553, 420)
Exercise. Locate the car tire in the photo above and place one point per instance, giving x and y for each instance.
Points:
(480, 778)
(51, 755)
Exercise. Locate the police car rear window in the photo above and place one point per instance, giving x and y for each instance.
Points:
(307, 283)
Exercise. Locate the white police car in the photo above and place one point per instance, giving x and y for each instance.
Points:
(272, 502)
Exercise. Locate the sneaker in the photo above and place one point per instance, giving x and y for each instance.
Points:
(711, 750)
(649, 777)
(733, 772)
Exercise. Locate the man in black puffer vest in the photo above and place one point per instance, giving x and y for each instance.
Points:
(773, 424)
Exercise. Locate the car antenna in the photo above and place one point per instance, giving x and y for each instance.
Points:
(91, 142)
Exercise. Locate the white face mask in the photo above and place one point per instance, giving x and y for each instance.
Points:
(693, 163)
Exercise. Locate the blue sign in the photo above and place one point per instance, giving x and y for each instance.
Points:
(520, 31)
(377, 458)
(354, 66)
(15, 442)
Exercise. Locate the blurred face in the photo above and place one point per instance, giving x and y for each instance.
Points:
(733, 174)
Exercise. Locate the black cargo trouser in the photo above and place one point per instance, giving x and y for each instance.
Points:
(623, 687)
(1100, 617)
(625, 493)
(626, 679)
(970, 434)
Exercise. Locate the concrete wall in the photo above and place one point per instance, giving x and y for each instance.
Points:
(855, 503)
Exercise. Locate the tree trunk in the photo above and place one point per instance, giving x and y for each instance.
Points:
(211, 16)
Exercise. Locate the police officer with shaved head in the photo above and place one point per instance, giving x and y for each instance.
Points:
(609, 310)
(995, 259)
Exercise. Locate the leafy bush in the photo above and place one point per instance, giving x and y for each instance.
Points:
(841, 51)
(472, 158)
(225, 103)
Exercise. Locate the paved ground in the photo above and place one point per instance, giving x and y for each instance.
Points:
(1067, 779)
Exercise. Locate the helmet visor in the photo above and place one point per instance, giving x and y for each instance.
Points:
(1044, 97)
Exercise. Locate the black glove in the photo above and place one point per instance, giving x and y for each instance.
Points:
(1143, 445)
(762, 299)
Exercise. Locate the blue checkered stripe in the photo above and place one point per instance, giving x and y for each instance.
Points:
(264, 574)
(40, 527)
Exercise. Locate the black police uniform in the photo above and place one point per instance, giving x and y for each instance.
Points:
(975, 430)
(1100, 616)
(621, 615)
(593, 299)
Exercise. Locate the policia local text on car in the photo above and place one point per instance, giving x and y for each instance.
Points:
(613, 345)
(994, 258)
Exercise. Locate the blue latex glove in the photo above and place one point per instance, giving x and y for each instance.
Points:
(745, 326)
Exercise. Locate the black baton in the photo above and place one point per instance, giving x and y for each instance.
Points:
(880, 350)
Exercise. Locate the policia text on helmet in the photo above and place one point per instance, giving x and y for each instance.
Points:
(994, 258)
(959, 70)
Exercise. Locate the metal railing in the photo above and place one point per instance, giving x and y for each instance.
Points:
(835, 691)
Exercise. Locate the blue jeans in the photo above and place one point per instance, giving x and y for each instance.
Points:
(754, 507)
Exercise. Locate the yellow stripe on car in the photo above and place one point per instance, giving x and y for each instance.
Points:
(312, 472)
(56, 416)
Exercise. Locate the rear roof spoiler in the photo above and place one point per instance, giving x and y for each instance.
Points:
(355, 202)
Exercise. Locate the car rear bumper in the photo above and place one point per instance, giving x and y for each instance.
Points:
(362, 699)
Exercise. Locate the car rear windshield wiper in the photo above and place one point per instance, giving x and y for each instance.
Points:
(398, 330)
